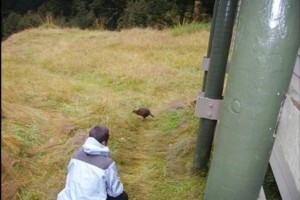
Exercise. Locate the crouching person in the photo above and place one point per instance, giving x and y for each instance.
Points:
(92, 174)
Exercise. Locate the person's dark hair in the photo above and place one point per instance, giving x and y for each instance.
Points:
(100, 133)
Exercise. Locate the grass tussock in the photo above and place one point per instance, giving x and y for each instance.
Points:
(58, 83)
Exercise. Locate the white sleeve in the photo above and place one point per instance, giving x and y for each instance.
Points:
(113, 182)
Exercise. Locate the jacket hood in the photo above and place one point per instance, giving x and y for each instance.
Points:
(93, 147)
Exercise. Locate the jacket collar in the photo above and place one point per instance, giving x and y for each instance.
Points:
(93, 147)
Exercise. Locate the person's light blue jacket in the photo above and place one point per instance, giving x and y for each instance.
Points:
(92, 174)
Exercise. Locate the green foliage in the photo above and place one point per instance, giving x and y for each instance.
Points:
(270, 185)
(84, 20)
(134, 15)
(83, 17)
(18, 6)
(57, 8)
(160, 15)
(184, 9)
(207, 7)
(101, 14)
(109, 11)
(155, 14)
(15, 22)
(30, 20)
(11, 24)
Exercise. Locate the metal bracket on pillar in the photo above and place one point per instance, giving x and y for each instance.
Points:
(207, 108)
(205, 64)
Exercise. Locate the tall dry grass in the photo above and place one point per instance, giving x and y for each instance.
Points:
(58, 83)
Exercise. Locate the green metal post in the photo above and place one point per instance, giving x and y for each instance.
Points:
(267, 41)
(215, 78)
(212, 30)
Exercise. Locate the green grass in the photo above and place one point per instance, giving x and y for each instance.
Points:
(190, 28)
(58, 83)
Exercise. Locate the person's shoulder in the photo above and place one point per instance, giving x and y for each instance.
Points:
(102, 161)
(77, 152)
(107, 160)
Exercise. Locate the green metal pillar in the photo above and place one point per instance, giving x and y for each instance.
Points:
(211, 36)
(267, 41)
(215, 78)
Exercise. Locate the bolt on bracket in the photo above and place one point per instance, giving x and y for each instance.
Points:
(207, 108)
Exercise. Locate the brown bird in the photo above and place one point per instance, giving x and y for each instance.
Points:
(144, 112)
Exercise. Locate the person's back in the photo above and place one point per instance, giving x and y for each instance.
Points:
(92, 174)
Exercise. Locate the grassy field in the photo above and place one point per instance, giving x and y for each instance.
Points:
(58, 83)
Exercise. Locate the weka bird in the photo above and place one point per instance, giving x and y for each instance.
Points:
(144, 112)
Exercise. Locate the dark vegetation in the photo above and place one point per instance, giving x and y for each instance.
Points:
(18, 15)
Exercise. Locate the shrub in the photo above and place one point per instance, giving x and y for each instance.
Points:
(155, 14)
(14, 23)
(84, 21)
(30, 20)
(10, 24)
(135, 15)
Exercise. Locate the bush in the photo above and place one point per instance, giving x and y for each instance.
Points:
(10, 24)
(14, 23)
(30, 20)
(155, 14)
(84, 21)
(135, 15)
